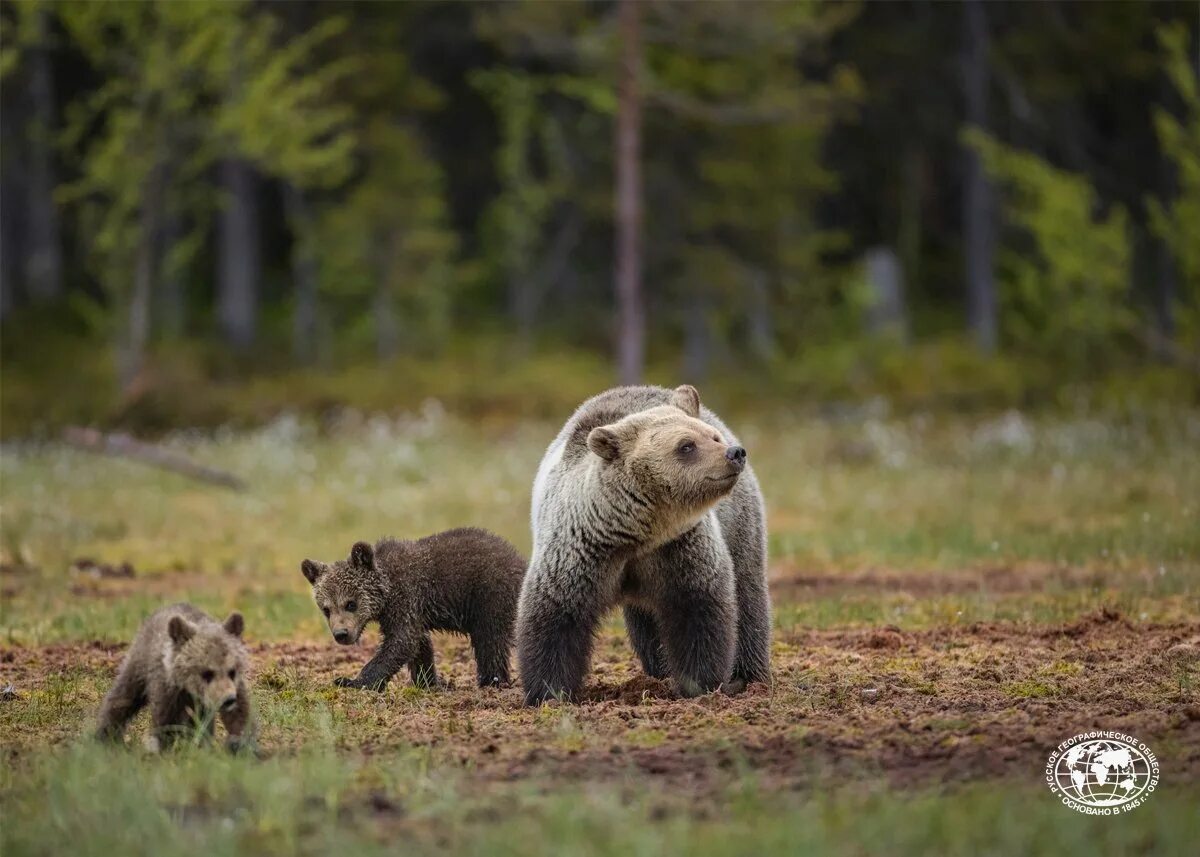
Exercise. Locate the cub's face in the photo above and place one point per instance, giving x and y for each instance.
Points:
(207, 661)
(669, 456)
(347, 592)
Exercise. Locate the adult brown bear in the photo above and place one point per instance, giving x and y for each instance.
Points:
(645, 500)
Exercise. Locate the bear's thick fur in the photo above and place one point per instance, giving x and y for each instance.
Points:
(465, 580)
(189, 669)
(644, 500)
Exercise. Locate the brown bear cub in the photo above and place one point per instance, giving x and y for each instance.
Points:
(190, 669)
(465, 580)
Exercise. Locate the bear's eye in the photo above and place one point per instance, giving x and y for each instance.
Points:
(207, 675)
(325, 610)
(687, 448)
(351, 606)
(233, 674)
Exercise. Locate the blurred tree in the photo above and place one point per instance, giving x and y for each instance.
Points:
(184, 83)
(38, 252)
(978, 210)
(1176, 219)
(1067, 270)
(631, 313)
(387, 246)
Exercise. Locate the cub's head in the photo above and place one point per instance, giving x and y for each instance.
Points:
(669, 457)
(207, 660)
(350, 593)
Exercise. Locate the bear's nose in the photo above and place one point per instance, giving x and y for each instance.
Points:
(228, 703)
(736, 454)
(342, 636)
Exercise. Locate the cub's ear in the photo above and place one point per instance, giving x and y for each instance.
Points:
(605, 442)
(180, 629)
(362, 555)
(312, 570)
(687, 400)
(235, 624)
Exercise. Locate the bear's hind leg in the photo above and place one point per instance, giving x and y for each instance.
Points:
(561, 604)
(421, 668)
(643, 636)
(121, 704)
(491, 658)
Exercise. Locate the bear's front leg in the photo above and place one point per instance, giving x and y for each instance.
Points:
(697, 609)
(562, 600)
(394, 652)
(239, 734)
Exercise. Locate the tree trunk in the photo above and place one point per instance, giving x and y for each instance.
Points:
(44, 264)
(697, 340)
(631, 319)
(173, 310)
(137, 332)
(758, 309)
(12, 197)
(979, 224)
(238, 251)
(387, 328)
(304, 274)
(887, 314)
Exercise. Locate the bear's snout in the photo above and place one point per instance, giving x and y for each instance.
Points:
(342, 636)
(736, 455)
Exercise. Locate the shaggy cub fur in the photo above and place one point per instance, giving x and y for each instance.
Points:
(189, 669)
(645, 500)
(465, 580)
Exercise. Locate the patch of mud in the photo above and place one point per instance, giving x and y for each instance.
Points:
(789, 582)
(945, 704)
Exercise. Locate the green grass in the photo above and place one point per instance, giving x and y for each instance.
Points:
(89, 801)
(1089, 514)
(1122, 501)
(319, 802)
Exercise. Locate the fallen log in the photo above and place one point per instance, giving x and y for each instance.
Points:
(124, 446)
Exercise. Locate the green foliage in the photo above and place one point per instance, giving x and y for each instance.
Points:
(387, 244)
(1064, 279)
(1176, 221)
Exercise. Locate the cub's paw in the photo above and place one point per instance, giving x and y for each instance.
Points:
(361, 684)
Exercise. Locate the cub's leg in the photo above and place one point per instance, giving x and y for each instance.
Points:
(238, 728)
(562, 600)
(696, 609)
(491, 656)
(394, 651)
(421, 667)
(121, 704)
(169, 719)
(644, 637)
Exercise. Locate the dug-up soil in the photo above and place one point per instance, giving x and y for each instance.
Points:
(911, 707)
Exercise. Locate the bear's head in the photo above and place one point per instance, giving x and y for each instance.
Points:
(669, 458)
(350, 593)
(207, 660)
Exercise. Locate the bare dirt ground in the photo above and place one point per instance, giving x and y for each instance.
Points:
(946, 704)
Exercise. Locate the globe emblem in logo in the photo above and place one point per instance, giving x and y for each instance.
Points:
(1107, 773)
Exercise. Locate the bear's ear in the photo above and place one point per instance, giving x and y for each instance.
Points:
(235, 624)
(362, 555)
(181, 630)
(312, 570)
(605, 442)
(687, 399)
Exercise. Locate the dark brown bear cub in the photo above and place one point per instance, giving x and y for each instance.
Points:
(189, 669)
(465, 580)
